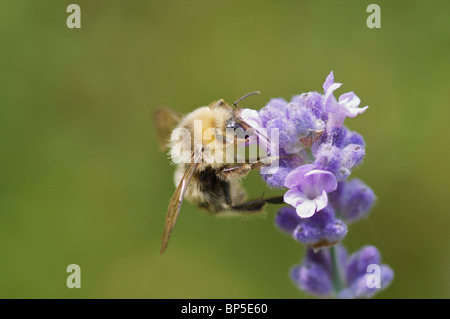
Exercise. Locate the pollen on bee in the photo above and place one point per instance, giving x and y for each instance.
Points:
(204, 130)
(208, 135)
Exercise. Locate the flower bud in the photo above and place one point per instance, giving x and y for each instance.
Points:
(313, 279)
(358, 273)
(302, 118)
(312, 101)
(321, 230)
(353, 200)
(352, 155)
(328, 158)
(287, 219)
(276, 178)
(354, 138)
(276, 108)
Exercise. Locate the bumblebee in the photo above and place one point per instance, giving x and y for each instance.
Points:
(214, 185)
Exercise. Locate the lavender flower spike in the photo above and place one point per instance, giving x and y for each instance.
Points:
(347, 106)
(359, 283)
(317, 275)
(313, 279)
(318, 232)
(314, 275)
(316, 152)
(308, 188)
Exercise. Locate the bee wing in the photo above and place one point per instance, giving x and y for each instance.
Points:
(175, 204)
(165, 120)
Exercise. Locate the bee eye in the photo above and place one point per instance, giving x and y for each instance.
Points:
(238, 129)
(232, 123)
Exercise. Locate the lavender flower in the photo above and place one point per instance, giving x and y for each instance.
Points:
(351, 156)
(313, 279)
(339, 161)
(360, 283)
(308, 188)
(353, 138)
(298, 122)
(312, 101)
(276, 108)
(328, 157)
(320, 231)
(347, 106)
(317, 155)
(315, 274)
(353, 200)
(276, 178)
(318, 273)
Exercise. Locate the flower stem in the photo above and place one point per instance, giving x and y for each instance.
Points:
(307, 156)
(338, 279)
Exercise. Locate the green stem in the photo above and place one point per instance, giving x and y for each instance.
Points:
(306, 156)
(338, 278)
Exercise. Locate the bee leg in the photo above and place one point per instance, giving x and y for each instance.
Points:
(257, 204)
(250, 206)
(227, 193)
(235, 171)
(275, 200)
(243, 169)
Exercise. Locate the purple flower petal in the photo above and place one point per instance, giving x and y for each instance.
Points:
(295, 177)
(306, 209)
(294, 197)
(251, 117)
(308, 189)
(330, 103)
(321, 201)
(328, 82)
(321, 180)
(347, 106)
(350, 100)
(352, 112)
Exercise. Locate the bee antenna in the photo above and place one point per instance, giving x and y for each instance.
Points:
(245, 96)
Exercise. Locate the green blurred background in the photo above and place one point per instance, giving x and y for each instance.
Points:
(82, 180)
